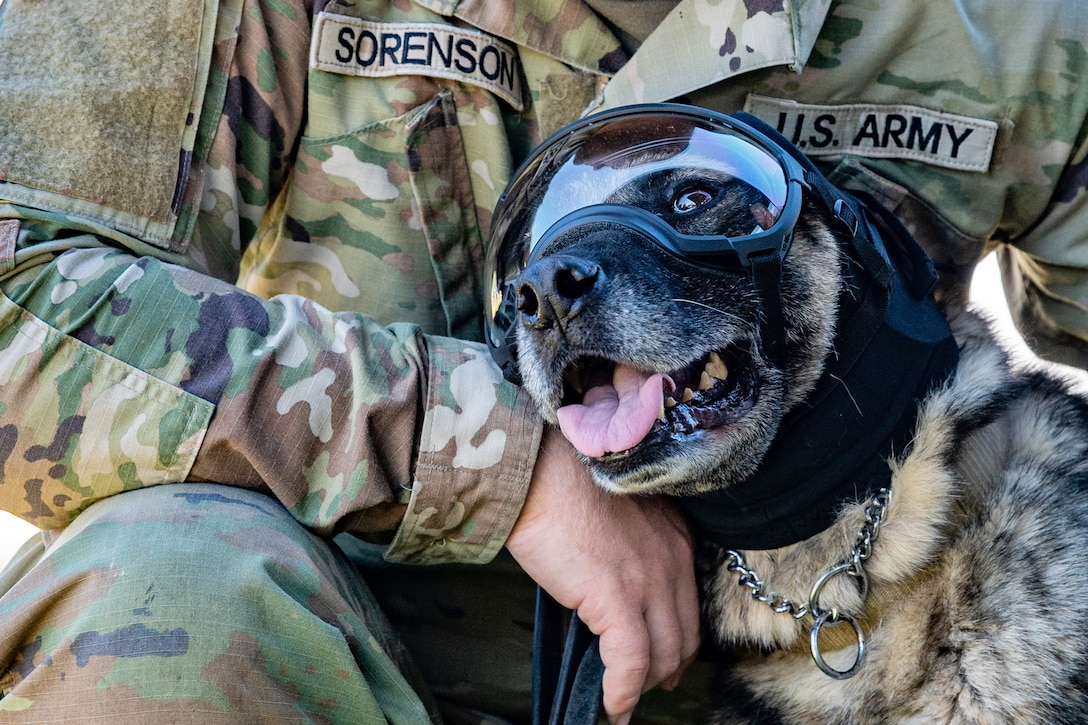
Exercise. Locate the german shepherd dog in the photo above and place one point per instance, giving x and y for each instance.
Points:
(940, 576)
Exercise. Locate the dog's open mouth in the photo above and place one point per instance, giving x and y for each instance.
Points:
(611, 409)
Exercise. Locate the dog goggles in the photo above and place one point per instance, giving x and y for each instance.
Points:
(606, 168)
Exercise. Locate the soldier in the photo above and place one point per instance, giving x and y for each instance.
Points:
(148, 147)
(120, 371)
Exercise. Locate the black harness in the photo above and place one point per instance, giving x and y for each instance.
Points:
(892, 346)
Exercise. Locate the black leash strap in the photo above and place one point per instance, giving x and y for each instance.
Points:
(566, 687)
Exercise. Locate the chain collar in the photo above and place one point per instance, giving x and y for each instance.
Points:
(876, 511)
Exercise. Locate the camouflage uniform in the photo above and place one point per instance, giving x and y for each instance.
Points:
(126, 361)
(139, 150)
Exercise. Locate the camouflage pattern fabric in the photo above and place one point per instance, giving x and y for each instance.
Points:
(167, 633)
(127, 360)
(151, 369)
(976, 150)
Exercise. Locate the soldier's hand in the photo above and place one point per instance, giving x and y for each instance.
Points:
(625, 563)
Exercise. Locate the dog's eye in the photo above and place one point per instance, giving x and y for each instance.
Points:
(691, 198)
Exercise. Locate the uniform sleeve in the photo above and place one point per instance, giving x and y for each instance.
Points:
(119, 372)
(1045, 274)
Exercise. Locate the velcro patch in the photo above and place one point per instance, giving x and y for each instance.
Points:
(880, 131)
(351, 46)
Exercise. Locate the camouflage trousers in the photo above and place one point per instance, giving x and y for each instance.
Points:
(195, 603)
(200, 603)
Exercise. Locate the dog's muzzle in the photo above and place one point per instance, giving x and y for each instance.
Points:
(584, 175)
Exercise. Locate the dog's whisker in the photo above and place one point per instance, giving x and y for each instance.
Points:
(697, 303)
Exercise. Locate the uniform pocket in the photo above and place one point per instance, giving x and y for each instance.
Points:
(381, 220)
(81, 425)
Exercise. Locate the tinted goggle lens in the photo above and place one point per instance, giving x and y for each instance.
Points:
(670, 176)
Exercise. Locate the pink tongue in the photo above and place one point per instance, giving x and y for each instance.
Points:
(613, 418)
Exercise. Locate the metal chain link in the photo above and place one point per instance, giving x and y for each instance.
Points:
(750, 579)
(876, 512)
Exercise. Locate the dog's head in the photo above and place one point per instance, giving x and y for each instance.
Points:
(630, 262)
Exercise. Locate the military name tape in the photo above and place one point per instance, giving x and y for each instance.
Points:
(352, 46)
(877, 131)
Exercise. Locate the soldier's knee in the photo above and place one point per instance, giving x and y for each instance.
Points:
(196, 595)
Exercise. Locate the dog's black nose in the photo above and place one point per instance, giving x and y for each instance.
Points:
(554, 289)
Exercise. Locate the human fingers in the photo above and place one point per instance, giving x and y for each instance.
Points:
(625, 563)
(625, 652)
(687, 605)
(646, 614)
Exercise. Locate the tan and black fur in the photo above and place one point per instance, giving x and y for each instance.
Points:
(978, 604)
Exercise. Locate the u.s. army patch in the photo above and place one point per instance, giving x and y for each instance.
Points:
(881, 131)
(352, 46)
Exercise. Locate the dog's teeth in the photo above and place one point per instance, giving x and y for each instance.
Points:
(661, 411)
(574, 381)
(687, 396)
(716, 368)
(705, 382)
(670, 402)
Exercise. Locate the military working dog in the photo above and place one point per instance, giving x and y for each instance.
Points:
(890, 508)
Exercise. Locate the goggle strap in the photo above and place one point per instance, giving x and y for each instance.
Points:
(912, 261)
(767, 277)
(835, 201)
(853, 216)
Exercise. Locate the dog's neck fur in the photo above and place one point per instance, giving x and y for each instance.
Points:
(890, 350)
